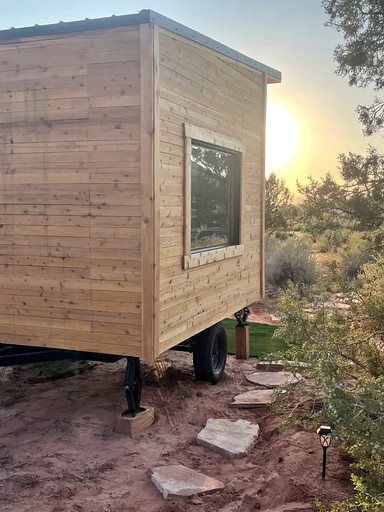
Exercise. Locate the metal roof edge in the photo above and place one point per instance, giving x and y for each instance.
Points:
(64, 27)
(144, 16)
(193, 35)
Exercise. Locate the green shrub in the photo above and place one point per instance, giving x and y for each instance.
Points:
(288, 261)
(354, 255)
(352, 263)
(363, 501)
(332, 240)
(344, 353)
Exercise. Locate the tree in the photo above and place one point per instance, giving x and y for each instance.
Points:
(357, 202)
(344, 347)
(361, 57)
(279, 209)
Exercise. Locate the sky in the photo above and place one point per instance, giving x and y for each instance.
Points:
(311, 116)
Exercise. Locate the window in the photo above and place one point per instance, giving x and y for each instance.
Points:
(212, 208)
(215, 180)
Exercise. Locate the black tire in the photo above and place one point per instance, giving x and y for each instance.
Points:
(210, 354)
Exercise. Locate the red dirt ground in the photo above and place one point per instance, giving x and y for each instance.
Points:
(259, 315)
(58, 451)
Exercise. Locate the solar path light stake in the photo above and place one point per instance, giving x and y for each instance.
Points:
(325, 434)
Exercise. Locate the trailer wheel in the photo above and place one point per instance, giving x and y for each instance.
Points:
(210, 354)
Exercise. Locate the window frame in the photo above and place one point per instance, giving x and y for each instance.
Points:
(197, 257)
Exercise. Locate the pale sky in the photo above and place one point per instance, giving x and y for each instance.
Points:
(312, 112)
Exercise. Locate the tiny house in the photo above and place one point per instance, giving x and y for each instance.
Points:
(131, 197)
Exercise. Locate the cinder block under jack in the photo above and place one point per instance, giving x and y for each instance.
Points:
(131, 425)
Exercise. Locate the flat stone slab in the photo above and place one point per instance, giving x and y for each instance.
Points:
(271, 380)
(278, 366)
(180, 482)
(270, 366)
(253, 398)
(292, 507)
(234, 439)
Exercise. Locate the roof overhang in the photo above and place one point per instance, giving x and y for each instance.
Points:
(144, 16)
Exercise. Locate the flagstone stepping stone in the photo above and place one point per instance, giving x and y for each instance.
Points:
(180, 482)
(270, 366)
(278, 366)
(234, 439)
(272, 380)
(292, 507)
(253, 398)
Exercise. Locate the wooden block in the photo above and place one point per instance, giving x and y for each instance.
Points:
(132, 426)
(242, 342)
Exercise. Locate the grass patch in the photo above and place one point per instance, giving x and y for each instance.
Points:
(261, 340)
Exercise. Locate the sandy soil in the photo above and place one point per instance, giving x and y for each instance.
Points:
(58, 451)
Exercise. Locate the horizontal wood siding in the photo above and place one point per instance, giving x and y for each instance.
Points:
(70, 191)
(208, 90)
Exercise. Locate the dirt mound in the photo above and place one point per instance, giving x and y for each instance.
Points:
(58, 451)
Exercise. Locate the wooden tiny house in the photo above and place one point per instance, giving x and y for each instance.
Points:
(132, 170)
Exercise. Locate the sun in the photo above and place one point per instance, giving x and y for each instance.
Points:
(282, 137)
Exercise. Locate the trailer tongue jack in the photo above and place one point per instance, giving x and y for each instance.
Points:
(132, 387)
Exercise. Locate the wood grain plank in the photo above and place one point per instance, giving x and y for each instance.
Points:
(226, 103)
(149, 198)
(70, 206)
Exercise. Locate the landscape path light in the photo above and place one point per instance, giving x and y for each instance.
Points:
(325, 434)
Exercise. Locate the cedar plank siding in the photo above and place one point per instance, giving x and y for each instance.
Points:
(92, 189)
(210, 91)
(70, 191)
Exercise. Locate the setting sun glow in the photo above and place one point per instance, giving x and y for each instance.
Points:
(282, 138)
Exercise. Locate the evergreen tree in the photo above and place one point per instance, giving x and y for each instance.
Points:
(361, 57)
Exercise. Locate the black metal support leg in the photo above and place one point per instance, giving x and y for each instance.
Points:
(132, 387)
(242, 316)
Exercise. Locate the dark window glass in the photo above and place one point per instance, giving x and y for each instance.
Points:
(215, 176)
